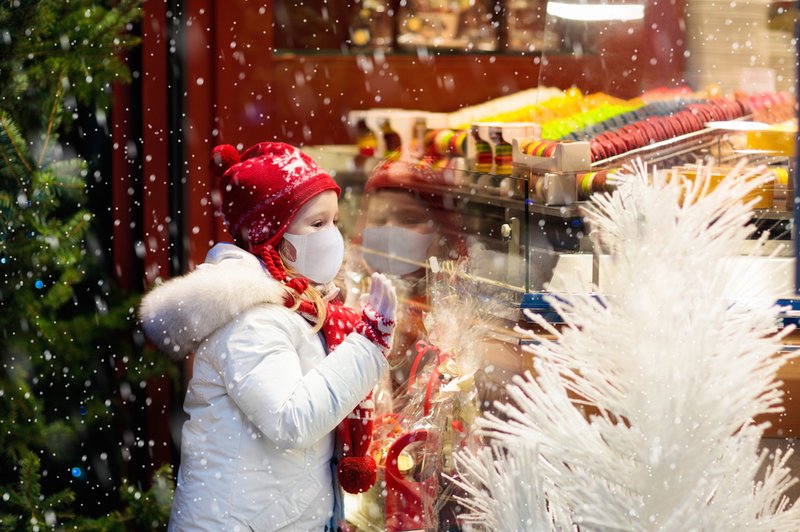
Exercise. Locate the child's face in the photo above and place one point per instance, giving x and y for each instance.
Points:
(318, 213)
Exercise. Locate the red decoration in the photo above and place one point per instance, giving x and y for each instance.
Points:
(408, 501)
(357, 469)
(424, 348)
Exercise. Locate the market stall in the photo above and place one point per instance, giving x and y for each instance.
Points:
(469, 140)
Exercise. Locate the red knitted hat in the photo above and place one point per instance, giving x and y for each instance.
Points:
(264, 187)
(402, 174)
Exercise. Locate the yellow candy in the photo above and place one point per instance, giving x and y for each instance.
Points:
(782, 175)
(405, 462)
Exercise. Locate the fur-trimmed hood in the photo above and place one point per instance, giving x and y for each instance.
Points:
(182, 312)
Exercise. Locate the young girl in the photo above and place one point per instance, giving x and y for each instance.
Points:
(279, 362)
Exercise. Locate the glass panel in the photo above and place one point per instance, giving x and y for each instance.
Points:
(407, 212)
(612, 46)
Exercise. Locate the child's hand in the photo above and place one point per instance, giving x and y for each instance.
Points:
(382, 296)
(380, 309)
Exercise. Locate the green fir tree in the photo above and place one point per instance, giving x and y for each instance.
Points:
(66, 332)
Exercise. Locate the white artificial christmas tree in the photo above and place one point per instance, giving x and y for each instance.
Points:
(671, 369)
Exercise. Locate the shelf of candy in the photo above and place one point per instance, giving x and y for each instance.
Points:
(577, 112)
(764, 197)
(669, 127)
(772, 108)
(587, 112)
(696, 129)
(551, 168)
(588, 183)
(489, 141)
(439, 143)
(489, 144)
(547, 107)
(542, 155)
(667, 132)
(446, 151)
(658, 132)
(380, 131)
(559, 115)
(657, 102)
(650, 110)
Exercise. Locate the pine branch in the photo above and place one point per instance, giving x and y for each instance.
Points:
(77, 229)
(51, 120)
(67, 172)
(30, 478)
(62, 290)
(6, 203)
(10, 151)
(59, 500)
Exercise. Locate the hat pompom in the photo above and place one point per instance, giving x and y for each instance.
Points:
(357, 474)
(223, 157)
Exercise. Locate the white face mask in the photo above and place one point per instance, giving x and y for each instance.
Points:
(318, 255)
(398, 251)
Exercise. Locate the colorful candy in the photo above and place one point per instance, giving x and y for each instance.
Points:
(692, 117)
(539, 148)
(591, 182)
(443, 142)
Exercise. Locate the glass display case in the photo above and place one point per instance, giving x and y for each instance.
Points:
(489, 200)
(523, 242)
(504, 186)
(505, 210)
(743, 57)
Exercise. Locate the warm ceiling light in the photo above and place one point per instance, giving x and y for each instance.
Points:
(595, 12)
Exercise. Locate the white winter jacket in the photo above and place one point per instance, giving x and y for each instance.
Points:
(263, 399)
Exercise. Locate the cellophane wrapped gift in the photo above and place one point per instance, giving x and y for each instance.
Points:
(425, 409)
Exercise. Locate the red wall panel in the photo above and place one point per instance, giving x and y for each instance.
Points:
(199, 80)
(155, 128)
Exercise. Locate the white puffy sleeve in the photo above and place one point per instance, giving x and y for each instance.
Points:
(263, 375)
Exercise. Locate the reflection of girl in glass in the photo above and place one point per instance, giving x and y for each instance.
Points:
(404, 220)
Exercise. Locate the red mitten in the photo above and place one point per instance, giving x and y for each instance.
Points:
(357, 469)
(377, 317)
(376, 327)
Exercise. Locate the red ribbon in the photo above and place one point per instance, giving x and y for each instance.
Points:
(423, 348)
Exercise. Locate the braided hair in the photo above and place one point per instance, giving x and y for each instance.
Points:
(300, 294)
